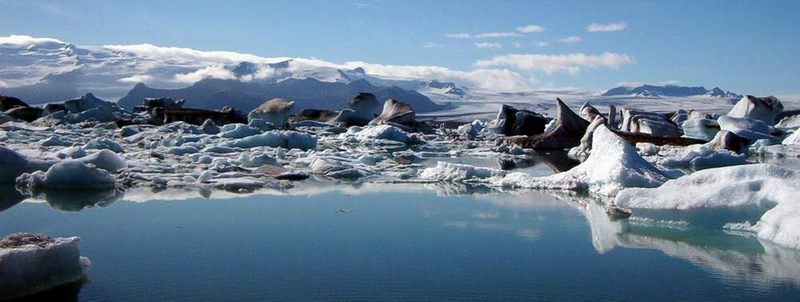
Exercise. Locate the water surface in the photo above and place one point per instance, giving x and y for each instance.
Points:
(402, 242)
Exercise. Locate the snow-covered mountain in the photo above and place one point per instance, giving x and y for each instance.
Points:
(669, 91)
(41, 70)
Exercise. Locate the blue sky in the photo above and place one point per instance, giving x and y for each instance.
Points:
(745, 46)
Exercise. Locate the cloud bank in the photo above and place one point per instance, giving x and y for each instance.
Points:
(569, 63)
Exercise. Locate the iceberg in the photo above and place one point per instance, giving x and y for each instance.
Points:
(68, 174)
(13, 165)
(612, 165)
(31, 263)
(277, 138)
(758, 185)
(444, 171)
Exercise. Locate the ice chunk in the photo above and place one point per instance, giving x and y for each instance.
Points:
(55, 141)
(238, 131)
(471, 130)
(698, 157)
(32, 263)
(387, 132)
(751, 129)
(275, 111)
(130, 130)
(68, 174)
(612, 165)
(261, 124)
(759, 185)
(104, 143)
(760, 108)
(445, 171)
(256, 159)
(12, 165)
(793, 139)
(106, 160)
(277, 138)
(183, 150)
(788, 123)
(209, 127)
(704, 129)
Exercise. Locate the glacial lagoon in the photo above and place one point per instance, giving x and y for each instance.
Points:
(397, 242)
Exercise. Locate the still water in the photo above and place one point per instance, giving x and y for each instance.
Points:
(401, 242)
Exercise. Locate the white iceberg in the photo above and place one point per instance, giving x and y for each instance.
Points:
(444, 171)
(386, 132)
(277, 138)
(793, 139)
(33, 263)
(106, 160)
(13, 165)
(612, 165)
(68, 174)
(757, 185)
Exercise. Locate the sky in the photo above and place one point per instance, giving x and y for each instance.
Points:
(749, 47)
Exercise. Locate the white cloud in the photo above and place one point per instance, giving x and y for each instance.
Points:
(488, 45)
(483, 35)
(498, 35)
(571, 40)
(533, 28)
(607, 27)
(516, 44)
(458, 36)
(179, 53)
(542, 44)
(215, 72)
(486, 79)
(570, 63)
(137, 78)
(3, 84)
(431, 45)
(26, 40)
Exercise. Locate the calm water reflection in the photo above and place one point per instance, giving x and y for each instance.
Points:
(396, 242)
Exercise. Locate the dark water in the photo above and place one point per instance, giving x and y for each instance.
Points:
(403, 244)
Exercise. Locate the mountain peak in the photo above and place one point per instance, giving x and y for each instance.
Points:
(647, 90)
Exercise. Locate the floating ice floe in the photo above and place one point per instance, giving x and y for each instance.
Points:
(693, 157)
(761, 186)
(277, 138)
(275, 111)
(444, 171)
(613, 165)
(32, 263)
(13, 165)
(68, 174)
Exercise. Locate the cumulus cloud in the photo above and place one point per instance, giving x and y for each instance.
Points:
(458, 36)
(137, 78)
(490, 35)
(533, 28)
(488, 45)
(498, 35)
(215, 72)
(179, 53)
(486, 79)
(27, 40)
(571, 40)
(606, 27)
(570, 63)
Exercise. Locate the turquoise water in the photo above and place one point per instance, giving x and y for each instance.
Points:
(402, 243)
